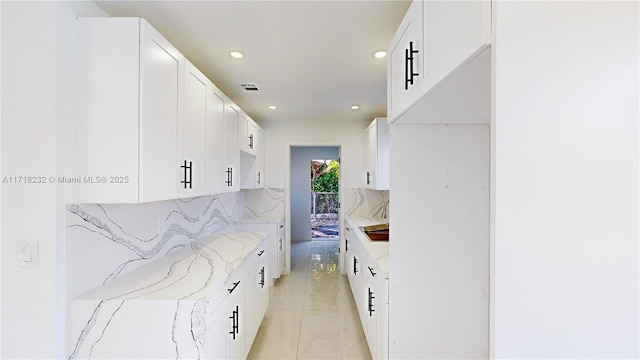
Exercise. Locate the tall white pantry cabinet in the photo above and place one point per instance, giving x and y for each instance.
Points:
(438, 107)
(514, 180)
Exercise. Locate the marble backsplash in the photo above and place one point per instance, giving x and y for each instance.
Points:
(365, 203)
(268, 202)
(105, 241)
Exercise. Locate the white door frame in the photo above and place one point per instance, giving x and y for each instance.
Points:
(287, 199)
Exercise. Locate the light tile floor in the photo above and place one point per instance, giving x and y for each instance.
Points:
(312, 314)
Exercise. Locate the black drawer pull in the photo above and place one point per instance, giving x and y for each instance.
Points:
(235, 285)
(371, 271)
(260, 253)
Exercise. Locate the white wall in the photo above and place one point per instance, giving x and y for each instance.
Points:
(281, 135)
(566, 277)
(37, 117)
(301, 185)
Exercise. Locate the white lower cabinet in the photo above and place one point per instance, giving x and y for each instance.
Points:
(370, 293)
(275, 246)
(257, 295)
(226, 332)
(234, 324)
(375, 314)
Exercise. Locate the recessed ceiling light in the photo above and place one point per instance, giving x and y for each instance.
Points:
(236, 54)
(380, 54)
(272, 107)
(355, 107)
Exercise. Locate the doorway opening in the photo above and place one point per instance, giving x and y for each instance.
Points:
(325, 199)
(299, 207)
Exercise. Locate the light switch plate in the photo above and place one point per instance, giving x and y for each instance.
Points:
(27, 254)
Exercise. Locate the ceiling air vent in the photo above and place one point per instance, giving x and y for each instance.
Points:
(250, 88)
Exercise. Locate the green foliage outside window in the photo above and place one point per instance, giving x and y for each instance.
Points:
(328, 179)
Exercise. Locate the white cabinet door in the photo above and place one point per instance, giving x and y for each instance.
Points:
(253, 130)
(252, 157)
(372, 158)
(237, 320)
(260, 156)
(371, 317)
(374, 321)
(243, 133)
(280, 259)
(161, 66)
(231, 154)
(251, 306)
(377, 164)
(215, 143)
(217, 333)
(405, 70)
(263, 289)
(257, 295)
(129, 108)
(445, 35)
(192, 173)
(247, 132)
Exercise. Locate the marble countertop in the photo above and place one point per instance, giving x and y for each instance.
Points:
(261, 220)
(378, 250)
(188, 273)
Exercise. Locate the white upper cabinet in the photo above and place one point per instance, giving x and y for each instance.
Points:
(193, 172)
(150, 126)
(252, 156)
(377, 164)
(215, 143)
(247, 132)
(405, 72)
(434, 40)
(129, 108)
(231, 154)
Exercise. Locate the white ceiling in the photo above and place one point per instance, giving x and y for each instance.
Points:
(312, 59)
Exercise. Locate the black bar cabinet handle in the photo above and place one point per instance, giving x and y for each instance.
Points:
(235, 285)
(406, 69)
(371, 297)
(371, 270)
(355, 265)
(409, 74)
